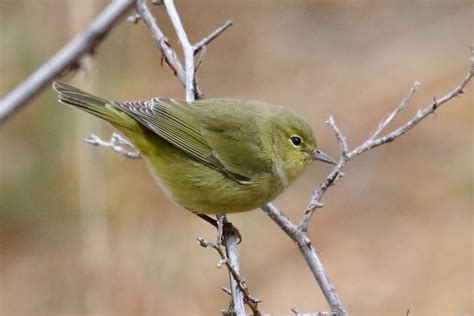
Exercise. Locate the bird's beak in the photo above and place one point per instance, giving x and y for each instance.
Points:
(321, 156)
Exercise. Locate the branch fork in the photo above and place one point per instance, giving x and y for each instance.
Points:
(186, 74)
(299, 233)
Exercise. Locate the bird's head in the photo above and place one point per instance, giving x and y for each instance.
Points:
(294, 145)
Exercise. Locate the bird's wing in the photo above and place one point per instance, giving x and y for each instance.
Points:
(173, 121)
(235, 135)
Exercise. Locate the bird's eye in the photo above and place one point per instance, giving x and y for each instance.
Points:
(296, 140)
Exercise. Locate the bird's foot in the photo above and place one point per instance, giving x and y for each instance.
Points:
(229, 230)
(223, 227)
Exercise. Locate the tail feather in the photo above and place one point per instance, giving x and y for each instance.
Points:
(94, 105)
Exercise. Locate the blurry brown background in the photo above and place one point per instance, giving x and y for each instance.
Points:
(85, 231)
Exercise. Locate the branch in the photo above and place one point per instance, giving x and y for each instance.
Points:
(186, 74)
(299, 233)
(212, 36)
(399, 108)
(188, 49)
(161, 41)
(116, 143)
(419, 116)
(226, 255)
(373, 141)
(81, 45)
(188, 79)
(310, 256)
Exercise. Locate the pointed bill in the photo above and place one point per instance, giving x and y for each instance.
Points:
(322, 156)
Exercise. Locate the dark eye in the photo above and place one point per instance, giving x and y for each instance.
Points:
(296, 140)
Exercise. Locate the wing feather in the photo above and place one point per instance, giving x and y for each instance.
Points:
(173, 121)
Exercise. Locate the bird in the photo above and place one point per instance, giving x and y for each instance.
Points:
(211, 156)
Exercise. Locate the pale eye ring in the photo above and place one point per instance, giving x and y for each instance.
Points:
(296, 140)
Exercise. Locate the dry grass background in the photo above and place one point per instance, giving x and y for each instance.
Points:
(84, 231)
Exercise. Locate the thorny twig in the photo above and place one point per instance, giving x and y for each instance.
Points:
(186, 74)
(70, 55)
(206, 40)
(116, 143)
(251, 302)
(299, 233)
(187, 77)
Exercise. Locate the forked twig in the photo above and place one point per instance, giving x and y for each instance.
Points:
(251, 301)
(299, 233)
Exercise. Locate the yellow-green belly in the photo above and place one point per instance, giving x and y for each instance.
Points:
(197, 187)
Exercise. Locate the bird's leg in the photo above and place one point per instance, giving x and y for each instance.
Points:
(226, 226)
(208, 219)
(220, 229)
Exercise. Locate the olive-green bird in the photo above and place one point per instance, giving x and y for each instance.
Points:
(211, 156)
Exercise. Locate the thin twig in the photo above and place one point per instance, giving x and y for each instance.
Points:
(70, 54)
(161, 41)
(189, 80)
(206, 40)
(239, 291)
(299, 233)
(116, 143)
(310, 256)
(315, 201)
(417, 118)
(389, 118)
(342, 140)
(252, 302)
(373, 141)
(188, 49)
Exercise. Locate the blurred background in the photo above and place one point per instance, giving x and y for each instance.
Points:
(86, 231)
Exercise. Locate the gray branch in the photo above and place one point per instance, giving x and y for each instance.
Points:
(117, 143)
(69, 55)
(309, 253)
(299, 233)
(161, 41)
(189, 50)
(187, 77)
(205, 41)
(384, 123)
(243, 295)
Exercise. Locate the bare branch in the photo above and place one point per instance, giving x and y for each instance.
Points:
(281, 219)
(384, 123)
(188, 78)
(70, 54)
(239, 291)
(340, 138)
(116, 143)
(299, 233)
(206, 40)
(399, 108)
(161, 41)
(419, 116)
(309, 254)
(226, 258)
(188, 49)
(315, 201)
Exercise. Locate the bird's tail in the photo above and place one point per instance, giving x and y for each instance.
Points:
(94, 105)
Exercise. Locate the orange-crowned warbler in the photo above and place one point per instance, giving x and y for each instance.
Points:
(211, 156)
